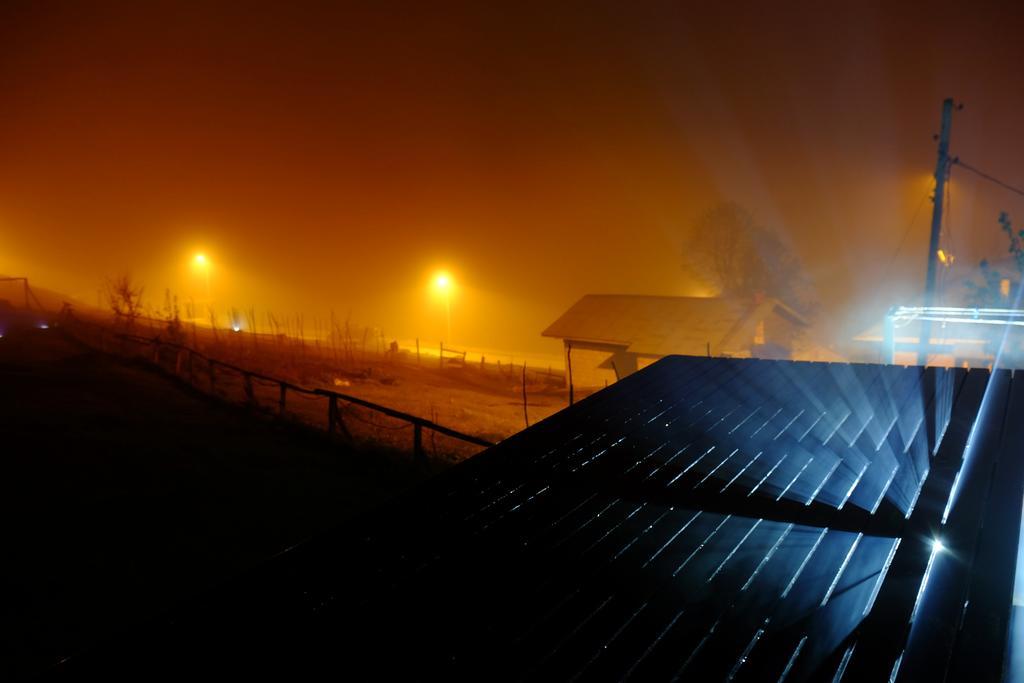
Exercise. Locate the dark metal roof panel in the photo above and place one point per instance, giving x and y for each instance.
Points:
(703, 518)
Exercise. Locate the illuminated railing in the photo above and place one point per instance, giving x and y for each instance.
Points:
(903, 316)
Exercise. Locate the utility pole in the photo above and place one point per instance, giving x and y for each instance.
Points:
(941, 167)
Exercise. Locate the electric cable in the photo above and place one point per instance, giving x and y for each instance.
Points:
(990, 178)
(903, 240)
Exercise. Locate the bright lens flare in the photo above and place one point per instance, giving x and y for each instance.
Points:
(938, 546)
(443, 286)
(201, 264)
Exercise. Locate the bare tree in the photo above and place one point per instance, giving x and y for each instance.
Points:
(124, 298)
(172, 318)
(726, 248)
(190, 312)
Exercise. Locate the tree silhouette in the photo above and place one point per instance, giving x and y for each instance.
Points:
(990, 293)
(725, 247)
(125, 298)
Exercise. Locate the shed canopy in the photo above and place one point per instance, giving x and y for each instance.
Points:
(662, 325)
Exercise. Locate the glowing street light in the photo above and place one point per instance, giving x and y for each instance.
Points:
(203, 264)
(443, 284)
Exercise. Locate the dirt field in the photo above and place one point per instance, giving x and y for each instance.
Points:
(124, 492)
(481, 399)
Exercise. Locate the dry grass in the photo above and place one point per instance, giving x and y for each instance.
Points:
(481, 399)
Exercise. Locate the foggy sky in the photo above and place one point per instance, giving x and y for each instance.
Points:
(330, 157)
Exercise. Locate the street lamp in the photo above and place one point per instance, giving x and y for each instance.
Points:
(443, 284)
(202, 263)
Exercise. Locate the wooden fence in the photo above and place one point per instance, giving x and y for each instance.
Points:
(203, 371)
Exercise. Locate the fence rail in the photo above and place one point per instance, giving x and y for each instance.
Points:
(185, 358)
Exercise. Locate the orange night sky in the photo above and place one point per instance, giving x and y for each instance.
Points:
(328, 157)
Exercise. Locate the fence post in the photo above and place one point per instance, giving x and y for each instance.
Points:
(281, 400)
(156, 353)
(440, 356)
(526, 416)
(417, 441)
(178, 363)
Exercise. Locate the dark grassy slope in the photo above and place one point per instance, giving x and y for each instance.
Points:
(123, 492)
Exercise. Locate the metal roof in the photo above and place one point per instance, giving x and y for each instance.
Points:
(709, 519)
(663, 325)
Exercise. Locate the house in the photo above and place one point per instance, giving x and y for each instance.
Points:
(609, 336)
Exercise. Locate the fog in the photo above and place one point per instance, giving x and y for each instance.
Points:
(334, 159)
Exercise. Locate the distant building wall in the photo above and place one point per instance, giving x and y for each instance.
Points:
(643, 361)
(587, 359)
(647, 328)
(597, 365)
(779, 335)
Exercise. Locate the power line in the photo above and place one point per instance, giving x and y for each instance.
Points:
(988, 177)
(892, 259)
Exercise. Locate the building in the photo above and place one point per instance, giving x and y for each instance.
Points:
(705, 519)
(958, 337)
(609, 336)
